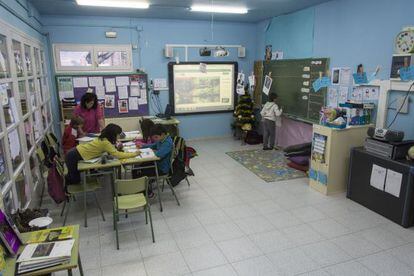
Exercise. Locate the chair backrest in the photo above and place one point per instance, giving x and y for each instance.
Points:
(60, 168)
(41, 155)
(131, 186)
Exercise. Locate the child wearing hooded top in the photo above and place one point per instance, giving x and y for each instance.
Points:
(270, 119)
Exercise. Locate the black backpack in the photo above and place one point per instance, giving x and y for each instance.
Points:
(253, 138)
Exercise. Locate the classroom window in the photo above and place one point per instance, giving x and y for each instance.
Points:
(9, 103)
(75, 58)
(28, 131)
(4, 58)
(23, 97)
(28, 60)
(15, 149)
(42, 62)
(8, 202)
(17, 53)
(32, 93)
(37, 125)
(22, 189)
(37, 61)
(4, 174)
(90, 58)
(34, 169)
(23, 82)
(112, 59)
(44, 88)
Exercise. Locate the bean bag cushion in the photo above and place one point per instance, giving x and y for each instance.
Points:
(300, 160)
(296, 148)
(298, 167)
(303, 152)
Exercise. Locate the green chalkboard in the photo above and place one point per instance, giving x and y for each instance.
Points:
(292, 81)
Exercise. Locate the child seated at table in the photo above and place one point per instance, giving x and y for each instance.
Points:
(146, 126)
(71, 133)
(162, 146)
(104, 143)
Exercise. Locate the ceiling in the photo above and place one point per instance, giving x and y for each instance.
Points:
(178, 9)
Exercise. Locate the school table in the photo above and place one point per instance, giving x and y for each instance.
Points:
(75, 260)
(111, 167)
(129, 136)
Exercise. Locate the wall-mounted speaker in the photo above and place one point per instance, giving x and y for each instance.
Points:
(168, 52)
(241, 52)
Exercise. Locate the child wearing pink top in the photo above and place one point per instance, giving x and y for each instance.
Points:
(91, 112)
(146, 126)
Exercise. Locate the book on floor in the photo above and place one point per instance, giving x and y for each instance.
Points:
(50, 235)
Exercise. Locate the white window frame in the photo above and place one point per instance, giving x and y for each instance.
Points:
(93, 49)
(11, 33)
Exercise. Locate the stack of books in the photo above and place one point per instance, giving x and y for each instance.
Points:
(68, 102)
(37, 256)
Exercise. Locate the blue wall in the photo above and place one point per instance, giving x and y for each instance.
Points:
(153, 37)
(350, 32)
(292, 33)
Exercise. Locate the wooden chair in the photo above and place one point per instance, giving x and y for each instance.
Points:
(131, 194)
(92, 185)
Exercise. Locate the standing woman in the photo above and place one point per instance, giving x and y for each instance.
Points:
(91, 112)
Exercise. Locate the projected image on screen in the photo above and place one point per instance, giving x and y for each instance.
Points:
(198, 90)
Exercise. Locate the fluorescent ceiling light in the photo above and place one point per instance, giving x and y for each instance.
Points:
(219, 9)
(133, 4)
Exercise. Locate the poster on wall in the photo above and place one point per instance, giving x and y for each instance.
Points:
(109, 101)
(123, 106)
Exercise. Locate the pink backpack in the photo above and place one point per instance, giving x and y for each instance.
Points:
(55, 184)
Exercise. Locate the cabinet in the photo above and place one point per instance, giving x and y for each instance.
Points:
(330, 156)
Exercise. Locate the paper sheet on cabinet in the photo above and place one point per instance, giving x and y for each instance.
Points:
(378, 174)
(393, 183)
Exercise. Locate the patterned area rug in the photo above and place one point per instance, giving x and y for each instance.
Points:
(269, 165)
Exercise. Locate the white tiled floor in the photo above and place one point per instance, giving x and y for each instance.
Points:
(230, 222)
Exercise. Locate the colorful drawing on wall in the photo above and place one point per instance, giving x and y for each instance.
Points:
(109, 101)
(123, 106)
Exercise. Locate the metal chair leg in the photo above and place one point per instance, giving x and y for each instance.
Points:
(63, 207)
(152, 229)
(188, 182)
(99, 206)
(43, 190)
(159, 195)
(163, 183)
(146, 215)
(116, 229)
(67, 212)
(173, 192)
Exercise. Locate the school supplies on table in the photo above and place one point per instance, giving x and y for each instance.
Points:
(38, 256)
(146, 153)
(49, 235)
(85, 139)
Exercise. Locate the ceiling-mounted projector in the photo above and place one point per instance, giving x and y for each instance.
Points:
(221, 52)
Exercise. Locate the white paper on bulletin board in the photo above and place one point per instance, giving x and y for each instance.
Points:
(378, 175)
(393, 183)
